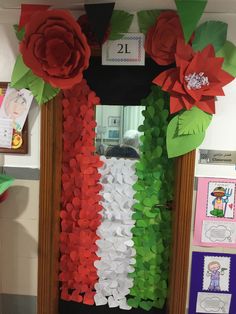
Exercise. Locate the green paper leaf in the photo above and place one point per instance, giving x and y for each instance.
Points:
(228, 52)
(5, 182)
(190, 12)
(146, 19)
(180, 145)
(193, 121)
(41, 90)
(146, 305)
(211, 32)
(120, 24)
(20, 74)
(133, 302)
(19, 33)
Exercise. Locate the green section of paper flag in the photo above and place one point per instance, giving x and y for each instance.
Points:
(190, 12)
(153, 192)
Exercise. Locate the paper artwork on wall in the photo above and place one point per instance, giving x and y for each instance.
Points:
(212, 288)
(15, 106)
(215, 221)
(6, 132)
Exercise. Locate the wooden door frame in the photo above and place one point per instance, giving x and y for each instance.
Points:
(49, 219)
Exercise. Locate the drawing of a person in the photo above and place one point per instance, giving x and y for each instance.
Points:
(15, 106)
(220, 201)
(214, 273)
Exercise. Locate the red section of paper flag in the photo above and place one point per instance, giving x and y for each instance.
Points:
(80, 198)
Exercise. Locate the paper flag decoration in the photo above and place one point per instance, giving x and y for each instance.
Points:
(190, 12)
(99, 16)
(5, 182)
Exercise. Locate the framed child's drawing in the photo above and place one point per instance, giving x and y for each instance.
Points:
(14, 108)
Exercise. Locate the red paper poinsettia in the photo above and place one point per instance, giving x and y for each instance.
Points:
(161, 39)
(55, 48)
(196, 80)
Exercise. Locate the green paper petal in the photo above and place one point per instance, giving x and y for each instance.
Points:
(19, 33)
(42, 91)
(146, 19)
(120, 24)
(190, 12)
(193, 121)
(5, 183)
(228, 52)
(211, 32)
(180, 145)
(20, 74)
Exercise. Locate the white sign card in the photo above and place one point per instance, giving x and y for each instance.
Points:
(126, 51)
(218, 232)
(213, 302)
(15, 106)
(6, 132)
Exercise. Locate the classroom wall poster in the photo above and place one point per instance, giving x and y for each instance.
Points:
(215, 220)
(213, 284)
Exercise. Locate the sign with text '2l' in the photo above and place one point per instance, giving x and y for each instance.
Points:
(126, 51)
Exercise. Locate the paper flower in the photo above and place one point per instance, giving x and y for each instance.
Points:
(55, 48)
(161, 39)
(196, 80)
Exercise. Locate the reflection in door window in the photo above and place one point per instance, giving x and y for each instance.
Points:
(117, 130)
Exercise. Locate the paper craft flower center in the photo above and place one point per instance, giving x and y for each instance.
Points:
(196, 80)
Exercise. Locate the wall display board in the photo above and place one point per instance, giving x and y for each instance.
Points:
(213, 286)
(215, 221)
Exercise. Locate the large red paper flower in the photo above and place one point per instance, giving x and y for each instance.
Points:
(55, 48)
(161, 39)
(196, 80)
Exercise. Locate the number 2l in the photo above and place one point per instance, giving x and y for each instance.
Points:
(123, 48)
